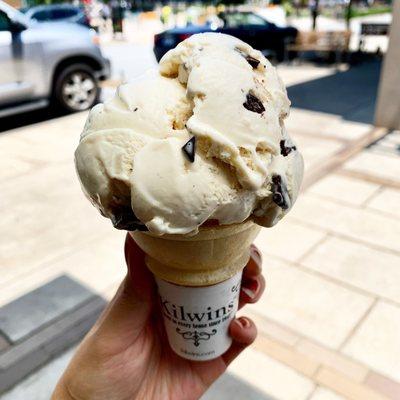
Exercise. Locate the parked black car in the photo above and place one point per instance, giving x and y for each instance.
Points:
(57, 12)
(247, 26)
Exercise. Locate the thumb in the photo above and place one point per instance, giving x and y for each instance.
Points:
(128, 312)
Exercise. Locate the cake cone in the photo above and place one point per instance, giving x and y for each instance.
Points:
(199, 280)
(213, 255)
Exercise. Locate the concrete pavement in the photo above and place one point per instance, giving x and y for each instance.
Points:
(328, 323)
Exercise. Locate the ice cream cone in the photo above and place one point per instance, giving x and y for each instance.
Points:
(213, 255)
(198, 280)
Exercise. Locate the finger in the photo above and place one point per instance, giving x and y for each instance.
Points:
(254, 265)
(140, 278)
(123, 320)
(129, 310)
(253, 283)
(251, 290)
(243, 332)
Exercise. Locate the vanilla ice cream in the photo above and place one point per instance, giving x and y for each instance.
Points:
(201, 139)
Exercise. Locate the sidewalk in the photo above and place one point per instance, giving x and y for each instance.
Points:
(329, 322)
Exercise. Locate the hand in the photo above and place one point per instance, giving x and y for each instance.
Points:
(126, 355)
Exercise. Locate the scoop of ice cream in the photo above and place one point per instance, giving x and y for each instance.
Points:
(202, 139)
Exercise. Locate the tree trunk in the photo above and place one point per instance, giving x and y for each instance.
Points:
(314, 12)
(348, 14)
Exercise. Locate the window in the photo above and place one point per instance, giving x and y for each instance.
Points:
(63, 13)
(234, 20)
(4, 22)
(43, 15)
(255, 20)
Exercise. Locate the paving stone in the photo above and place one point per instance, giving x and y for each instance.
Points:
(41, 227)
(271, 329)
(345, 189)
(287, 355)
(40, 384)
(332, 359)
(386, 201)
(325, 394)
(357, 223)
(36, 309)
(381, 165)
(389, 144)
(60, 135)
(283, 241)
(346, 387)
(270, 376)
(14, 167)
(4, 343)
(229, 387)
(325, 125)
(299, 121)
(97, 264)
(376, 341)
(293, 74)
(369, 269)
(386, 386)
(315, 150)
(27, 356)
(309, 304)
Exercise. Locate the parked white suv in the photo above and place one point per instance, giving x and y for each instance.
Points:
(42, 63)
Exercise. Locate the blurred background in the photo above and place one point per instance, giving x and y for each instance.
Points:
(329, 323)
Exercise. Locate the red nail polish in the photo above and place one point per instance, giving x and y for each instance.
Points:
(250, 287)
(244, 322)
(256, 255)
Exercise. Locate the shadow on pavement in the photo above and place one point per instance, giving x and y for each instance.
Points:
(229, 387)
(350, 94)
(27, 118)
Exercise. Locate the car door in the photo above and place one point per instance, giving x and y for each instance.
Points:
(22, 70)
(8, 75)
(233, 25)
(260, 34)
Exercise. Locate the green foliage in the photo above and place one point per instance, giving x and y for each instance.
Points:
(357, 12)
(288, 7)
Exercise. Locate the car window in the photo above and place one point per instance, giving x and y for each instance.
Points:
(42, 15)
(4, 22)
(234, 20)
(64, 13)
(253, 19)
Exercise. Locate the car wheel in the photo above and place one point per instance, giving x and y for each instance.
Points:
(76, 88)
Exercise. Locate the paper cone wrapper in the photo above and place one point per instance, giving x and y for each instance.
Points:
(198, 280)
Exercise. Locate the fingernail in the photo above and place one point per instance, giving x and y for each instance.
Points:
(256, 254)
(250, 288)
(244, 322)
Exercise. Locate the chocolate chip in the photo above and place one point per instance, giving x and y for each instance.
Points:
(278, 198)
(253, 104)
(189, 149)
(280, 194)
(135, 109)
(285, 150)
(252, 61)
(124, 218)
(277, 179)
